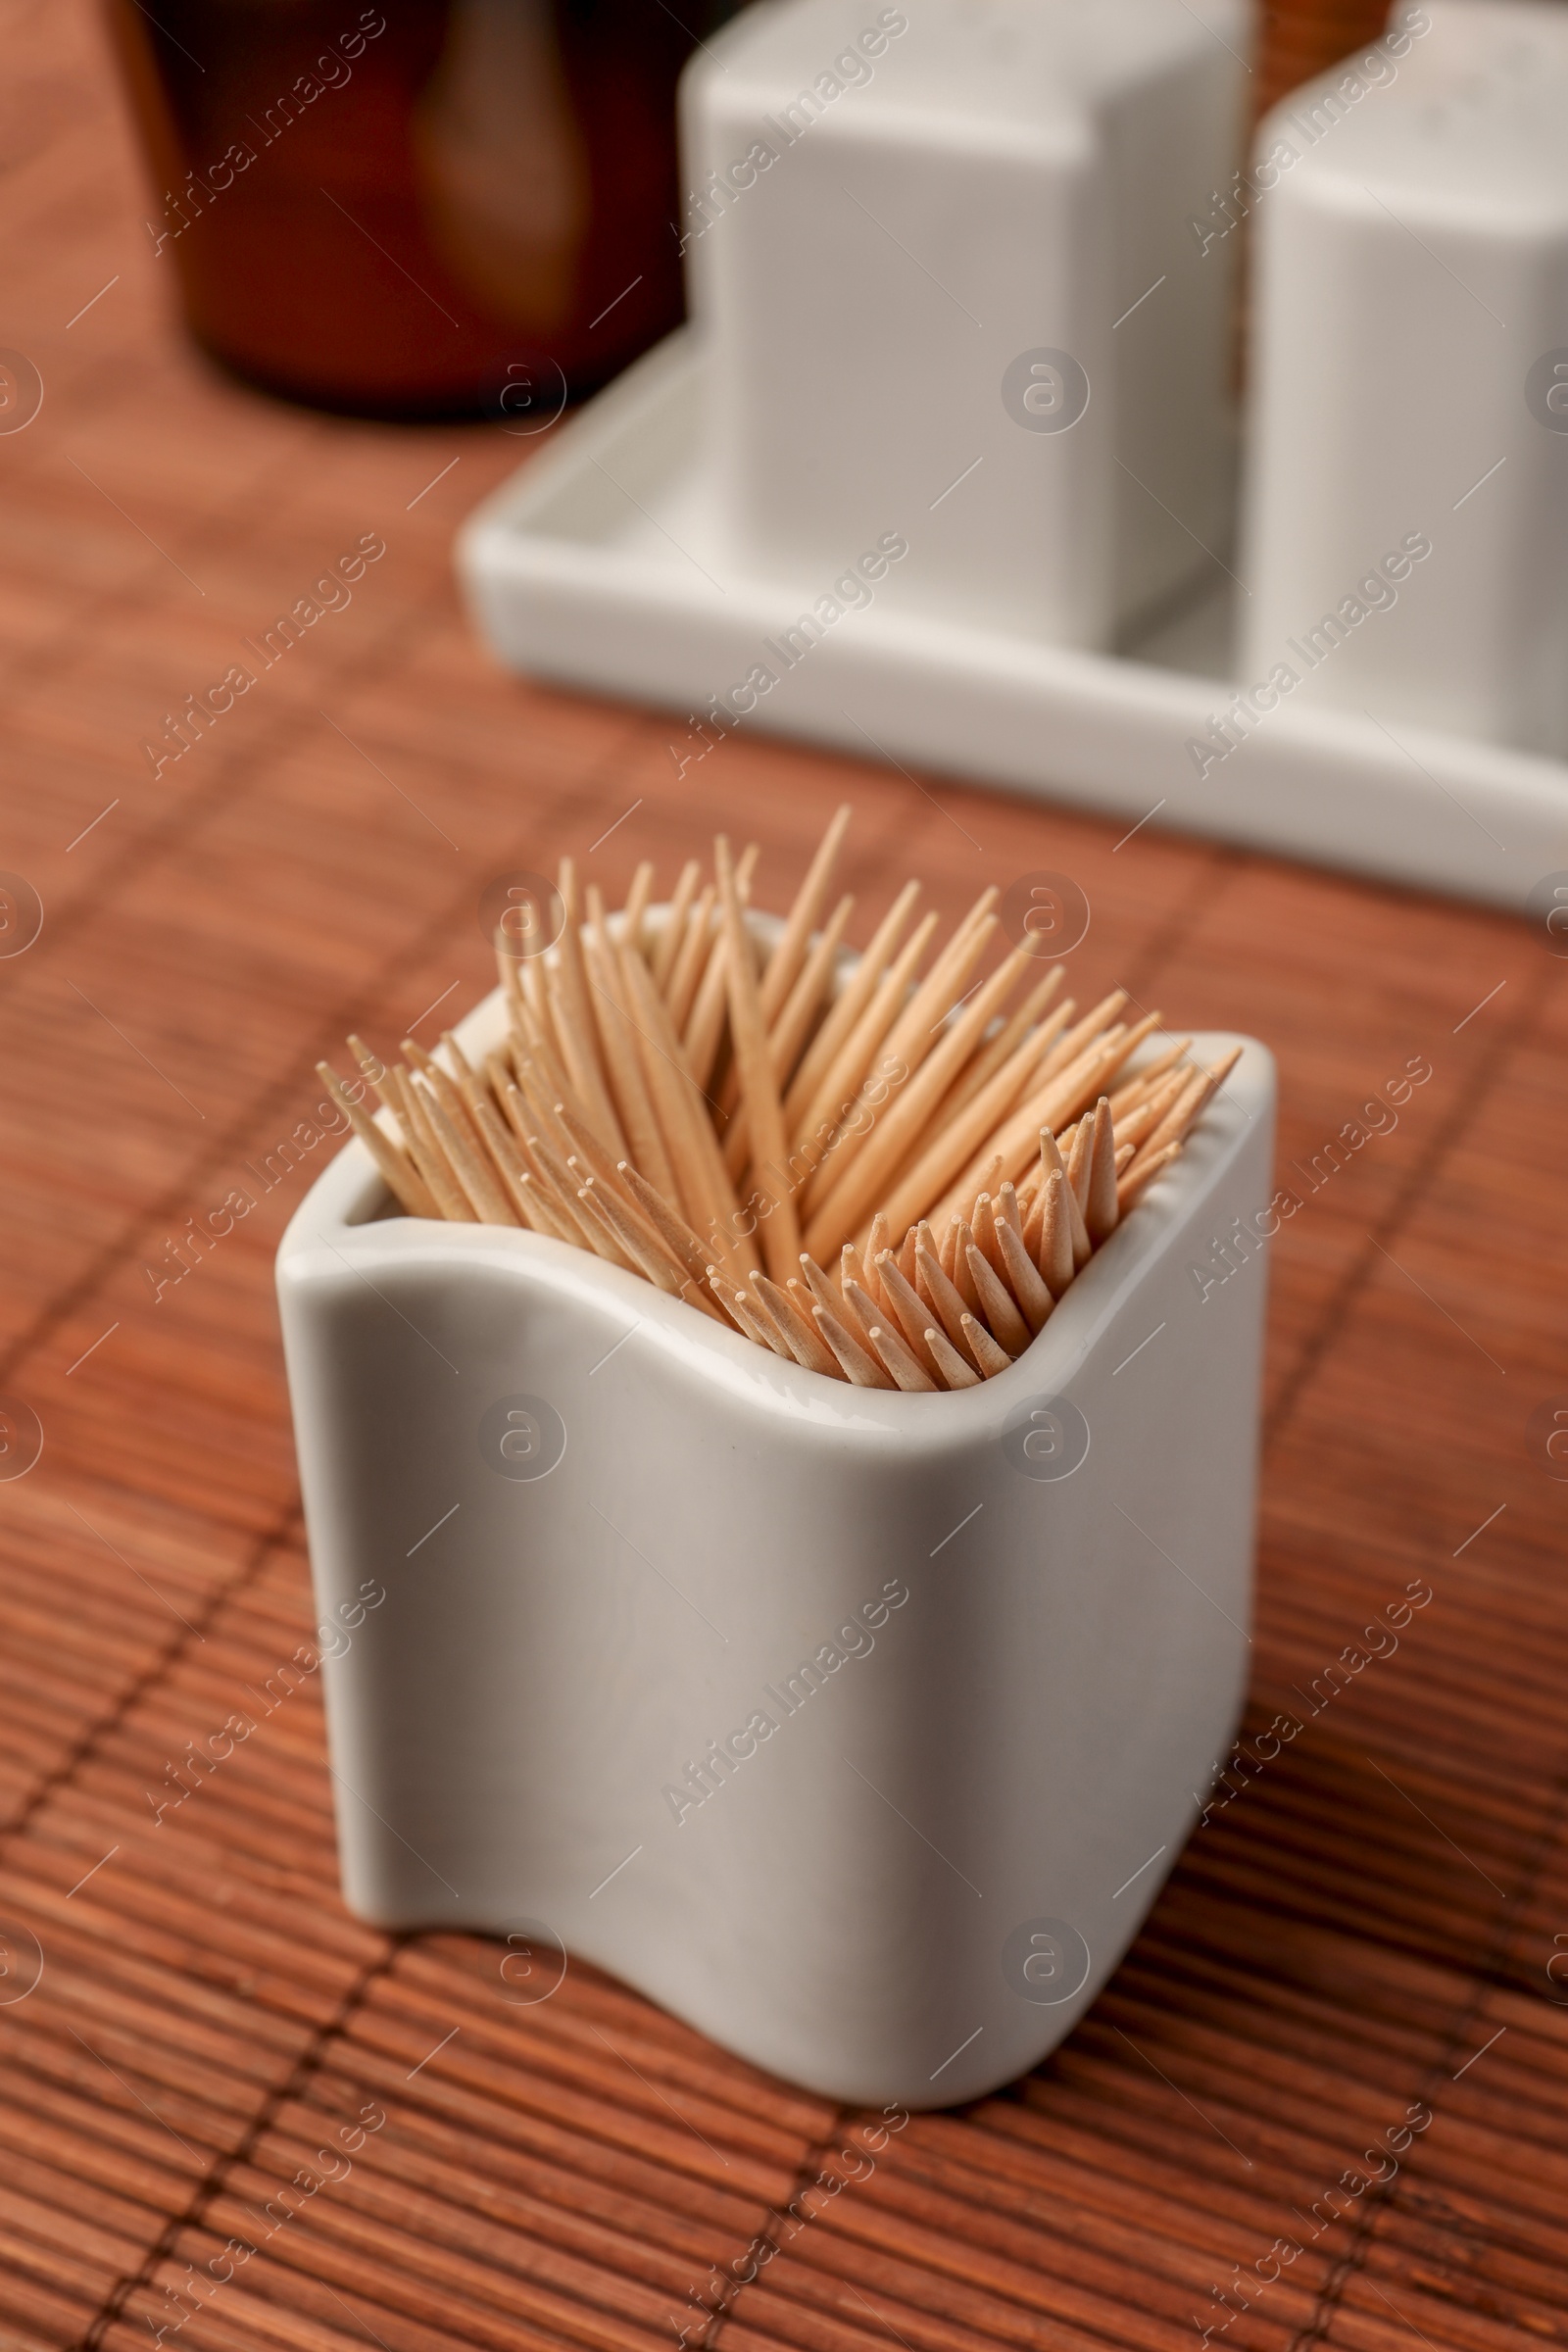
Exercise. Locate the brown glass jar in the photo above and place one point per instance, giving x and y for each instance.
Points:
(427, 207)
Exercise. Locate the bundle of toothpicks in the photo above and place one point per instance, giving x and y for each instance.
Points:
(890, 1182)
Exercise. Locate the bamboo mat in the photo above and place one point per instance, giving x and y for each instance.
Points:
(1364, 1931)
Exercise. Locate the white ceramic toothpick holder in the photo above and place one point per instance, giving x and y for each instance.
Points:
(859, 1730)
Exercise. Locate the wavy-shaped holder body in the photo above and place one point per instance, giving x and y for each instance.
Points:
(918, 1862)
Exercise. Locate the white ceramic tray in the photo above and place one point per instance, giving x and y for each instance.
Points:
(601, 565)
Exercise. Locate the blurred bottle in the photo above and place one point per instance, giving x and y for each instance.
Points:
(432, 208)
(1299, 39)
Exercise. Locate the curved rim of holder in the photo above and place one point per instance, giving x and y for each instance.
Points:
(341, 1231)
